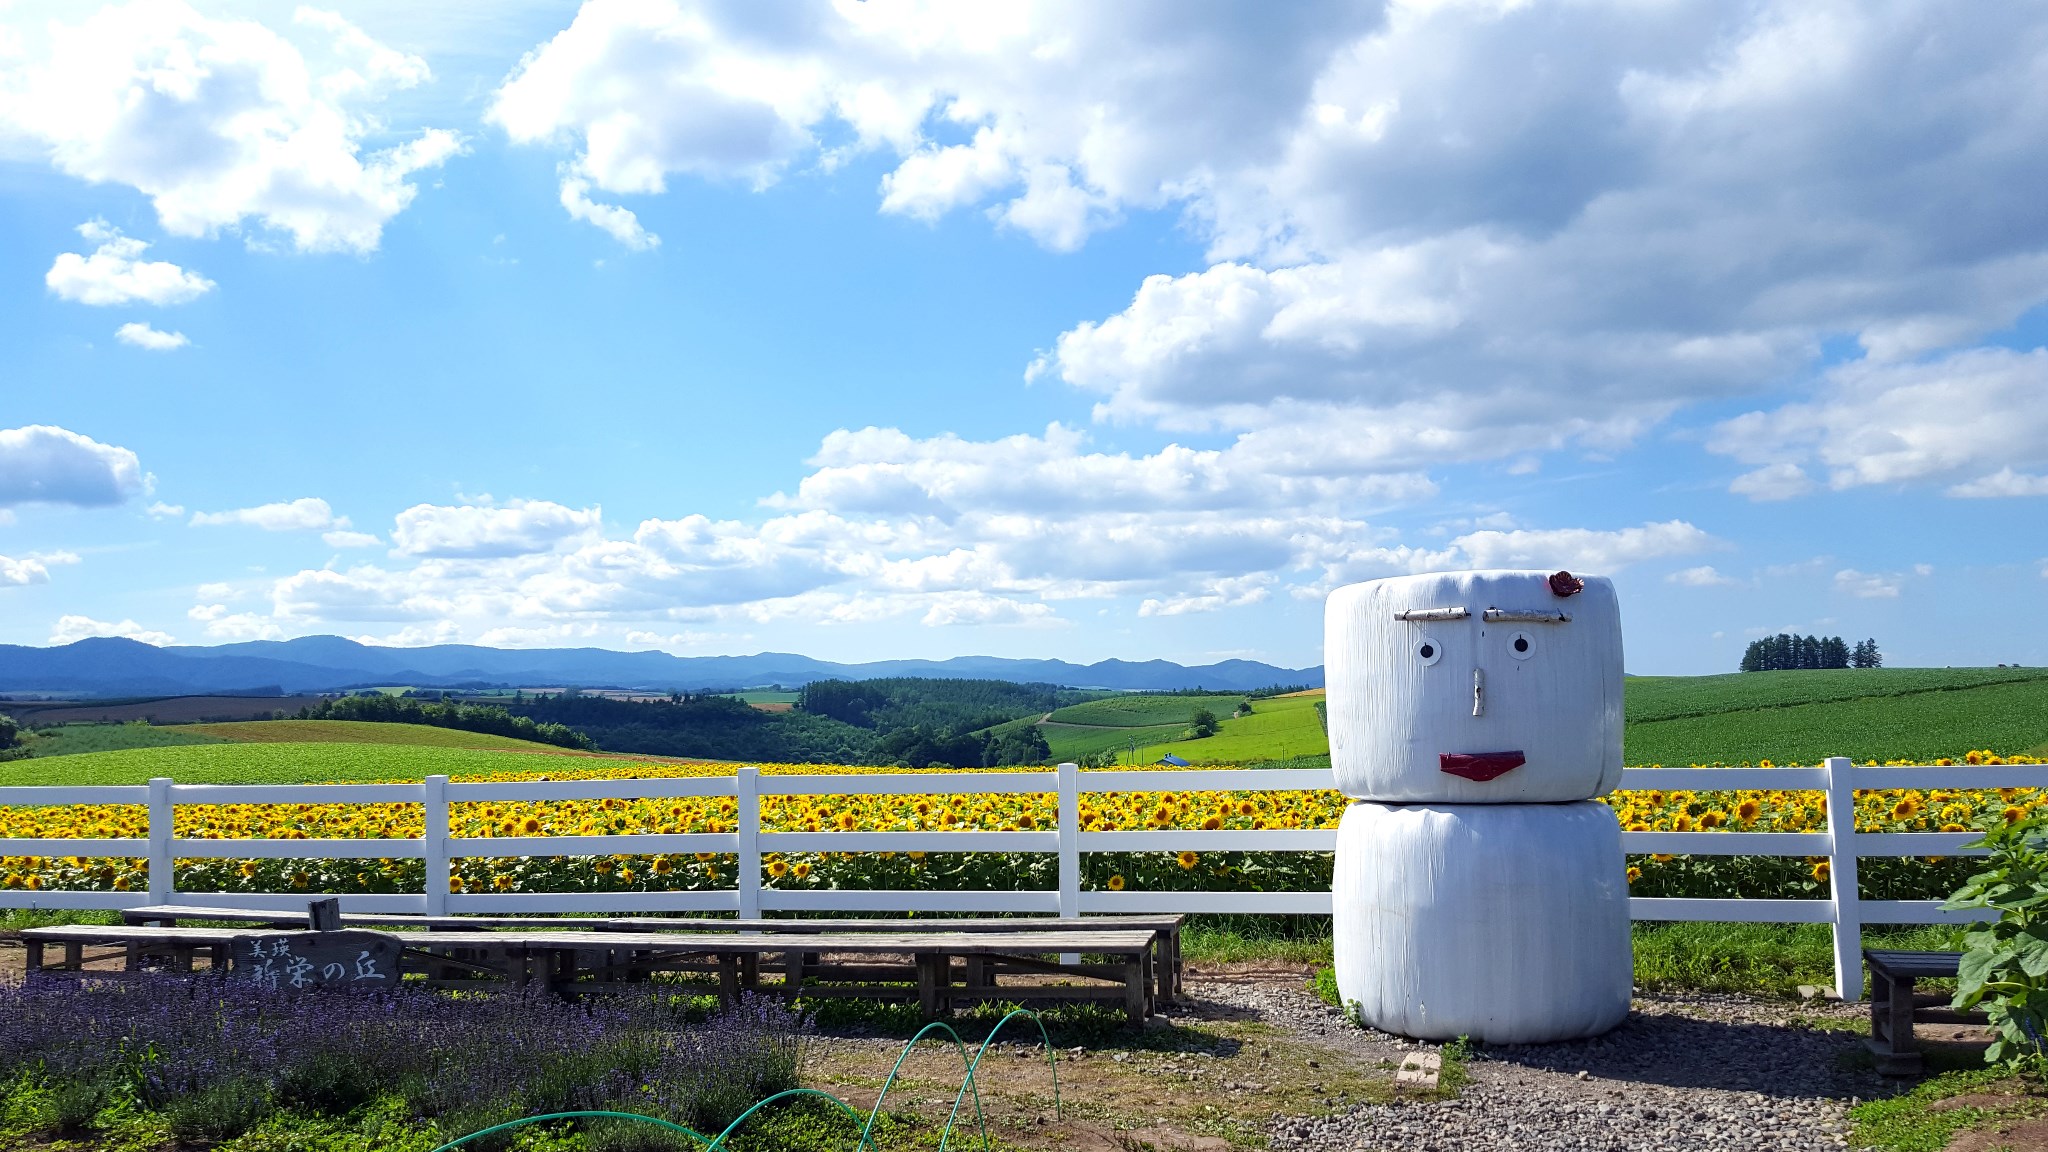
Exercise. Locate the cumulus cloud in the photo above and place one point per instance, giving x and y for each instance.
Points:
(222, 624)
(140, 335)
(1966, 417)
(1704, 576)
(342, 538)
(307, 514)
(115, 273)
(43, 464)
(221, 121)
(518, 528)
(71, 629)
(1427, 224)
(33, 568)
(1868, 585)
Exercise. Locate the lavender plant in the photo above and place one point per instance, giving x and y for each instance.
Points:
(214, 1057)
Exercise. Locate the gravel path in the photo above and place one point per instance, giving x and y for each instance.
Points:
(1685, 1072)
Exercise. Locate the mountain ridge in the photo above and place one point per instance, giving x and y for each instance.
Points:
(115, 666)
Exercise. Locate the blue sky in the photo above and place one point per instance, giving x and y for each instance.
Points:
(875, 331)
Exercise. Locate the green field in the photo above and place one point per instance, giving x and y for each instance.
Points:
(1803, 717)
(1144, 711)
(767, 696)
(1279, 728)
(362, 732)
(284, 764)
(77, 739)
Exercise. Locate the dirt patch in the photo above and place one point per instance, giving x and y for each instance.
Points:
(2028, 1135)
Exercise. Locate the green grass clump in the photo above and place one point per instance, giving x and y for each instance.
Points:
(278, 764)
(82, 739)
(1759, 959)
(1909, 1123)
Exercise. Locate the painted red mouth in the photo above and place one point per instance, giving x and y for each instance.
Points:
(1480, 766)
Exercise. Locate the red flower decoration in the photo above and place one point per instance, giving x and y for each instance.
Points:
(1566, 584)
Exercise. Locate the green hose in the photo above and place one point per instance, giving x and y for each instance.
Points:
(867, 1129)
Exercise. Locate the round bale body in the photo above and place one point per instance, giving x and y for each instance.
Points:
(1505, 923)
(1474, 688)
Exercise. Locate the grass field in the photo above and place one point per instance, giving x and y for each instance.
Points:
(1144, 711)
(78, 739)
(276, 764)
(1278, 728)
(360, 732)
(1880, 714)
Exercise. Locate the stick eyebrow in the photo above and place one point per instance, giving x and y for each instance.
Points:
(1525, 616)
(1458, 613)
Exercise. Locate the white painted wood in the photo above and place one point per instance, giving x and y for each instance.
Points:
(1723, 779)
(162, 879)
(968, 841)
(307, 849)
(1218, 840)
(1727, 843)
(297, 793)
(650, 788)
(131, 849)
(1507, 923)
(1732, 911)
(636, 844)
(1270, 903)
(516, 903)
(1070, 839)
(1842, 879)
(434, 844)
(1211, 779)
(388, 904)
(1404, 692)
(71, 901)
(1919, 912)
(908, 784)
(39, 794)
(1951, 776)
(852, 900)
(747, 788)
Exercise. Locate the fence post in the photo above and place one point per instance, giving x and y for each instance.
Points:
(1842, 885)
(435, 844)
(747, 783)
(161, 882)
(1070, 839)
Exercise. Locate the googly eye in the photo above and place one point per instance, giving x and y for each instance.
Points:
(1428, 650)
(1521, 645)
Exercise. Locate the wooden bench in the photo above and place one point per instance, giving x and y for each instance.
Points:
(1893, 1006)
(1166, 949)
(945, 968)
(137, 947)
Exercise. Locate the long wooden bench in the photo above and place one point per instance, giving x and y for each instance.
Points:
(1166, 950)
(946, 968)
(1894, 1007)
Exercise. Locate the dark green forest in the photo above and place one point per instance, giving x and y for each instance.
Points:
(488, 718)
(913, 722)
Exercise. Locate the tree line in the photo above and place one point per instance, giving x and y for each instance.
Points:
(485, 718)
(1786, 652)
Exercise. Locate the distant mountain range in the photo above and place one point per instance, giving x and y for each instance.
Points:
(108, 667)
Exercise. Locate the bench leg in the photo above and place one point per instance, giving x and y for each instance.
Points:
(792, 974)
(74, 957)
(1137, 987)
(32, 960)
(728, 979)
(1891, 1026)
(930, 967)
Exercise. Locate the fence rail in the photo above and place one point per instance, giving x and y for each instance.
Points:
(1838, 778)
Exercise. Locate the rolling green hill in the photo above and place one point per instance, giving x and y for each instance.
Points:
(276, 764)
(1143, 711)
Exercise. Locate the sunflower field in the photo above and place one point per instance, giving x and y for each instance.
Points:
(1705, 812)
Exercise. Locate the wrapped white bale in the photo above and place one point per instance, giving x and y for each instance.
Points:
(1507, 923)
(1474, 688)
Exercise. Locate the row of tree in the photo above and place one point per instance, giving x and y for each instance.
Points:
(1785, 652)
(486, 718)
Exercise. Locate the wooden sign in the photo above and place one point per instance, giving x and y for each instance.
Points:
(297, 961)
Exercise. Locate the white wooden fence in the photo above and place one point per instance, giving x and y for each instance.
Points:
(1839, 779)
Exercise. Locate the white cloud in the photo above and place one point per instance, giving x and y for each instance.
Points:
(1226, 593)
(1437, 232)
(33, 568)
(138, 334)
(1781, 481)
(1967, 417)
(1583, 549)
(517, 528)
(163, 511)
(221, 121)
(342, 538)
(49, 465)
(1868, 585)
(70, 629)
(116, 274)
(217, 591)
(1704, 576)
(306, 514)
(222, 624)
(2004, 482)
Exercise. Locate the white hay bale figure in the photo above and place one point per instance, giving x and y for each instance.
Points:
(1505, 923)
(1474, 687)
(1479, 891)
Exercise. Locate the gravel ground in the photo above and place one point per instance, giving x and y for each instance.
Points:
(1685, 1072)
